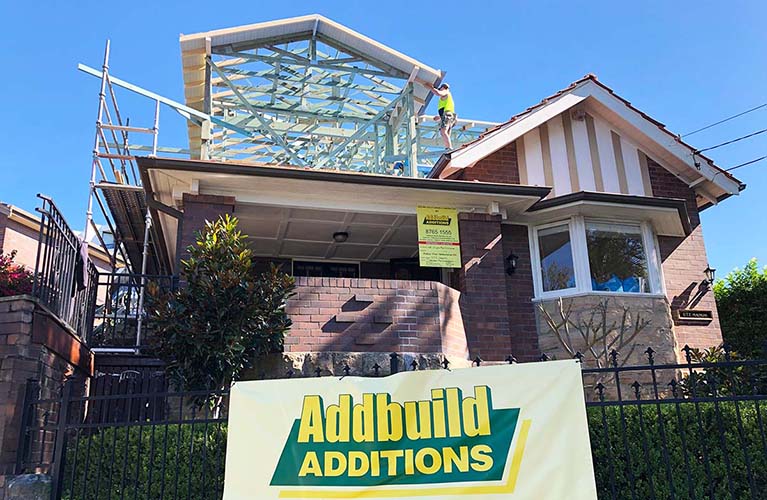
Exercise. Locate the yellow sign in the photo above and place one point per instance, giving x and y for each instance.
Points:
(496, 432)
(438, 242)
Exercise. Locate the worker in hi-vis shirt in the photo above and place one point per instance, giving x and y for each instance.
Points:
(446, 110)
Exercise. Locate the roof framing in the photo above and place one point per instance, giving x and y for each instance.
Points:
(310, 92)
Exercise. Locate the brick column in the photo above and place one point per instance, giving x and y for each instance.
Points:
(483, 285)
(197, 210)
(684, 260)
(519, 294)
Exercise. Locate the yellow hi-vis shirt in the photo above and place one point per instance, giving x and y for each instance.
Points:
(446, 103)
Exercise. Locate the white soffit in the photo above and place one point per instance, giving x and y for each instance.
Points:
(649, 135)
(665, 221)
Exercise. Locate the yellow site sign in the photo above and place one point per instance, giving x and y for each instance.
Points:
(496, 432)
(439, 244)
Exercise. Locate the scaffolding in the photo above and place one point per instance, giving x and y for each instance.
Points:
(303, 92)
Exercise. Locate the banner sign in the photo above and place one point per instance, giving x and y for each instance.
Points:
(495, 432)
(438, 242)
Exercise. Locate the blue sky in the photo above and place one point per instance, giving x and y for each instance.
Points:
(686, 63)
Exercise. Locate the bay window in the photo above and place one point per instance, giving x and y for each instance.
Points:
(594, 256)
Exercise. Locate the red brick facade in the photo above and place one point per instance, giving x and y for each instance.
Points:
(33, 345)
(483, 286)
(500, 167)
(197, 210)
(373, 315)
(519, 295)
(684, 260)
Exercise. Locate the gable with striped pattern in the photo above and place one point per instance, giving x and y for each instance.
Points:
(578, 151)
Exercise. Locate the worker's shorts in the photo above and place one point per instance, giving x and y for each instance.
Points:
(447, 120)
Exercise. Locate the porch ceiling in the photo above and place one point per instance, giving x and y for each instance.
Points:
(308, 233)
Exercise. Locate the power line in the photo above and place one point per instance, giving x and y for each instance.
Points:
(746, 163)
(732, 141)
(725, 120)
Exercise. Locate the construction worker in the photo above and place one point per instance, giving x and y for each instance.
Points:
(446, 110)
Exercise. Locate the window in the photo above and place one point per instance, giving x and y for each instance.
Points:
(326, 269)
(617, 258)
(556, 254)
(590, 256)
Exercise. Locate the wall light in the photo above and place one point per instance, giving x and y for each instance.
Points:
(511, 263)
(340, 236)
(710, 273)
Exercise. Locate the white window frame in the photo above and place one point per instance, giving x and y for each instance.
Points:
(577, 227)
(536, 260)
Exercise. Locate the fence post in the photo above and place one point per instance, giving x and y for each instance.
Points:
(31, 393)
(394, 357)
(57, 473)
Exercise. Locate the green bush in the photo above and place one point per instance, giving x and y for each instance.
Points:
(741, 299)
(695, 438)
(147, 462)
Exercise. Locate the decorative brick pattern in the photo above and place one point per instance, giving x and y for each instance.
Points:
(371, 315)
(483, 286)
(519, 295)
(684, 260)
(500, 167)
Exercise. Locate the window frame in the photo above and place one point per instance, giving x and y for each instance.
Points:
(577, 227)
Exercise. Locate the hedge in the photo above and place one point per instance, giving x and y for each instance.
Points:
(697, 438)
(183, 462)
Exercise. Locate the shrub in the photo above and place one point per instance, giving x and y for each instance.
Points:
(697, 438)
(213, 328)
(162, 461)
(741, 298)
(14, 278)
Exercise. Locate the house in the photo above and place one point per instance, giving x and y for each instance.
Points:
(578, 219)
(20, 231)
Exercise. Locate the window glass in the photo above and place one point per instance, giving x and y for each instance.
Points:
(556, 255)
(325, 269)
(617, 258)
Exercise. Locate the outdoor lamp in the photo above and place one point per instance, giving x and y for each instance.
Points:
(340, 236)
(511, 263)
(709, 272)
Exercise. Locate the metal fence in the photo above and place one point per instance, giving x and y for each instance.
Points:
(675, 431)
(64, 276)
(120, 321)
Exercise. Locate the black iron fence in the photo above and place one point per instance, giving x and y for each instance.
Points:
(119, 316)
(64, 276)
(675, 431)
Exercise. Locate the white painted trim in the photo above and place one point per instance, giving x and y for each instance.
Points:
(633, 171)
(605, 294)
(577, 227)
(583, 156)
(508, 133)
(534, 158)
(607, 156)
(559, 161)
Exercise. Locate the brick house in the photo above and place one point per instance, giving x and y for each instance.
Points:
(578, 218)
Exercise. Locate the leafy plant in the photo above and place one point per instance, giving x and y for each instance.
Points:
(15, 279)
(224, 315)
(741, 298)
(138, 461)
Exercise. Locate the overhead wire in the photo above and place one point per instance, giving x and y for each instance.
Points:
(732, 141)
(725, 120)
(746, 163)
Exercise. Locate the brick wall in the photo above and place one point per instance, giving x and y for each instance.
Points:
(197, 210)
(519, 294)
(371, 315)
(500, 167)
(483, 285)
(27, 352)
(684, 260)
